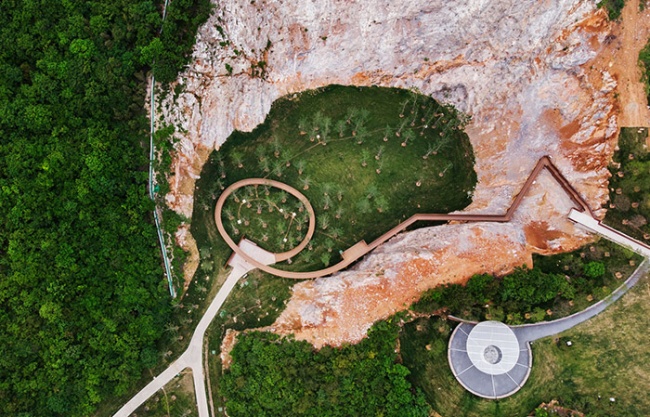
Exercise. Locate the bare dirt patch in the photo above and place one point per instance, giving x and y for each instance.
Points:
(185, 383)
(228, 342)
(538, 234)
(335, 311)
(629, 37)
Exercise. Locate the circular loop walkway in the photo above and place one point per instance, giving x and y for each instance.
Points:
(279, 257)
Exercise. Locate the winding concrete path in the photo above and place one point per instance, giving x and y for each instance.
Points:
(531, 332)
(193, 356)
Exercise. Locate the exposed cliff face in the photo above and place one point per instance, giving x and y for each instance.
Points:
(527, 72)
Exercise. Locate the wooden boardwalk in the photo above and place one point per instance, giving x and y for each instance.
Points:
(361, 248)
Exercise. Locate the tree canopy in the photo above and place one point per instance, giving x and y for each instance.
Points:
(270, 376)
(82, 295)
(558, 285)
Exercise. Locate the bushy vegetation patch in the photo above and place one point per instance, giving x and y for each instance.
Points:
(629, 185)
(556, 286)
(271, 376)
(644, 61)
(256, 301)
(366, 158)
(613, 7)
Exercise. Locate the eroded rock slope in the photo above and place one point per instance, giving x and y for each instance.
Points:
(527, 72)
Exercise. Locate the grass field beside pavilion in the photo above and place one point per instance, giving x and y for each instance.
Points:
(629, 185)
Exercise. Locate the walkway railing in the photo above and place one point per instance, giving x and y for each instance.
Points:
(152, 195)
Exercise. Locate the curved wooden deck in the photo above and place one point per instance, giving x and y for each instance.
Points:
(361, 248)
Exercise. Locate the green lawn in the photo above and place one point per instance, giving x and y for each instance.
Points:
(608, 358)
(366, 158)
(276, 219)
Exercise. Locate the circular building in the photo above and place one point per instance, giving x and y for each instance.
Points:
(488, 359)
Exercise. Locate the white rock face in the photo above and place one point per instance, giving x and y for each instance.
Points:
(526, 72)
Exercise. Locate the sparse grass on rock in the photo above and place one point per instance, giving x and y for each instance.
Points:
(644, 61)
(629, 186)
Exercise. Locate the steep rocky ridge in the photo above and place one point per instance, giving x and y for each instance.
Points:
(528, 73)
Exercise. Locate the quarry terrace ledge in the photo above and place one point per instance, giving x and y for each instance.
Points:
(361, 248)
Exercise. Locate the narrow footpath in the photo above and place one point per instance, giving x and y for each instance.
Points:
(193, 356)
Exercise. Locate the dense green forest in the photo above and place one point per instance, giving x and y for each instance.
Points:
(270, 376)
(82, 295)
(614, 8)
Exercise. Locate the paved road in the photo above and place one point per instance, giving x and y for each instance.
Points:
(193, 356)
(531, 332)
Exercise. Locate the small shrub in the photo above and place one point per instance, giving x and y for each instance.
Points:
(594, 269)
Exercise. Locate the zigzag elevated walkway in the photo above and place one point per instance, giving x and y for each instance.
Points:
(361, 248)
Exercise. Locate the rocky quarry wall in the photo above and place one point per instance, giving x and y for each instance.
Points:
(528, 73)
